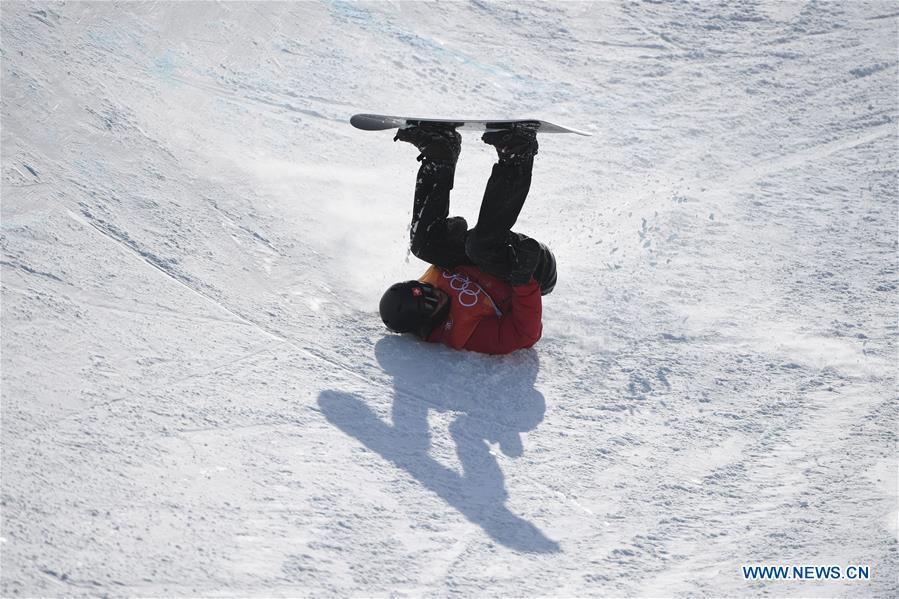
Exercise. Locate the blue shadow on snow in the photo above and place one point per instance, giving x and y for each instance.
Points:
(496, 401)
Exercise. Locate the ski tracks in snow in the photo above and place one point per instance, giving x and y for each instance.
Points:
(198, 396)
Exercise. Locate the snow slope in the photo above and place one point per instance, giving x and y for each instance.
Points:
(198, 397)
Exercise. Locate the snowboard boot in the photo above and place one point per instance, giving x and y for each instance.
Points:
(437, 144)
(514, 145)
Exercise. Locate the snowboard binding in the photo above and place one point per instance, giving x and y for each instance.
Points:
(438, 144)
(514, 145)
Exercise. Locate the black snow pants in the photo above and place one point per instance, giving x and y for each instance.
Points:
(491, 245)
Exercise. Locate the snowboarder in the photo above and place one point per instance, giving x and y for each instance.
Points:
(483, 290)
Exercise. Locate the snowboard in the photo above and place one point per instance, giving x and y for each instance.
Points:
(380, 122)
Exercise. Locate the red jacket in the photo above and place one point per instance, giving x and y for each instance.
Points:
(486, 314)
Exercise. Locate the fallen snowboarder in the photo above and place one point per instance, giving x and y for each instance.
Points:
(483, 290)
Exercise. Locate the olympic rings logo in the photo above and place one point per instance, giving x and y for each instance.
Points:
(468, 297)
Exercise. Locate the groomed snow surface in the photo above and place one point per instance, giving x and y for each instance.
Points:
(198, 396)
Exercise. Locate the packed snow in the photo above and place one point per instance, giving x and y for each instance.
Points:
(198, 395)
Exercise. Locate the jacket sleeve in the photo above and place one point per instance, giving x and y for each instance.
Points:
(519, 327)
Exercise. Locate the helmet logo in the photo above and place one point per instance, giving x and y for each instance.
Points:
(416, 291)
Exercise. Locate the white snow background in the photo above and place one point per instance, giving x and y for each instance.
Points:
(199, 398)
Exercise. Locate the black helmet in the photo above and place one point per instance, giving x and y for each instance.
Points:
(410, 306)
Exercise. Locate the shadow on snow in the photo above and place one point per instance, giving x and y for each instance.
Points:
(496, 401)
